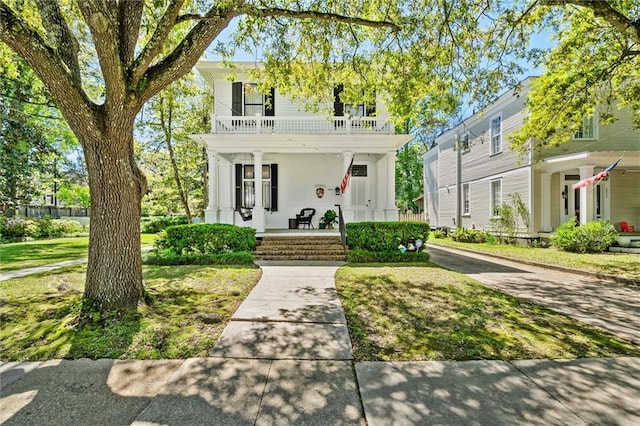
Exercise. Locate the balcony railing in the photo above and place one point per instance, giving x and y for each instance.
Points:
(300, 125)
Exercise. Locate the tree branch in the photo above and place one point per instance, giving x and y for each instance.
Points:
(130, 19)
(101, 17)
(604, 10)
(299, 14)
(47, 63)
(61, 37)
(157, 40)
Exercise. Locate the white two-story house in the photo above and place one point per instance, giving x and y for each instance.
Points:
(271, 158)
(484, 172)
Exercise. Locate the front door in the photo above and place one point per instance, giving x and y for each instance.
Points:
(361, 193)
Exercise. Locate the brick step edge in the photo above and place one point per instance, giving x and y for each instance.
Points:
(271, 257)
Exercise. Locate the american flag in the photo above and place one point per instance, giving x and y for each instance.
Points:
(597, 177)
(345, 179)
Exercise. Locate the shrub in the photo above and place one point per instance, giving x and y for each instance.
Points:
(207, 238)
(56, 228)
(396, 256)
(385, 236)
(155, 225)
(168, 257)
(438, 233)
(464, 235)
(16, 228)
(592, 237)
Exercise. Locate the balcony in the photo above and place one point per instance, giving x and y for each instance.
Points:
(300, 125)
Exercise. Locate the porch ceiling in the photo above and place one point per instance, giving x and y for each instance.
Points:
(282, 143)
(630, 161)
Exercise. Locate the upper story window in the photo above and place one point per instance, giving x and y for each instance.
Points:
(496, 134)
(587, 130)
(360, 110)
(247, 100)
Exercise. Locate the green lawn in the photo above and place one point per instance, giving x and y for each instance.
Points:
(43, 252)
(184, 312)
(623, 265)
(428, 313)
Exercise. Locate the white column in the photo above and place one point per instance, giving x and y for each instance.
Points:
(225, 195)
(391, 211)
(545, 202)
(211, 212)
(586, 196)
(258, 208)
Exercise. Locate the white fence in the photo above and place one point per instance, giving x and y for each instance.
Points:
(413, 217)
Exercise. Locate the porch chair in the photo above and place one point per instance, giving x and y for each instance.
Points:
(305, 216)
(625, 227)
(245, 213)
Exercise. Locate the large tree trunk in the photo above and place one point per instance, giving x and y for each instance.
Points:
(114, 272)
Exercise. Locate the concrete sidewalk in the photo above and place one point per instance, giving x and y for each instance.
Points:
(285, 358)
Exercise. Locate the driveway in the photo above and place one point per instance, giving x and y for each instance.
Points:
(609, 306)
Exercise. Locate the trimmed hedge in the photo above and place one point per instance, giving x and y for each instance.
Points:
(206, 238)
(396, 256)
(167, 257)
(386, 242)
(385, 236)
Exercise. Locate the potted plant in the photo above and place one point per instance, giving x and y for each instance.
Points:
(328, 219)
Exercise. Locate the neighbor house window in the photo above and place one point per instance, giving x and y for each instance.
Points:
(587, 130)
(496, 197)
(245, 186)
(466, 199)
(496, 135)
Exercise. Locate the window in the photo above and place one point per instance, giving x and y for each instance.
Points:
(586, 131)
(496, 135)
(353, 110)
(248, 101)
(466, 199)
(496, 197)
(359, 170)
(245, 186)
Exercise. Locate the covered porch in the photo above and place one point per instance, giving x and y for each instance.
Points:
(614, 198)
(264, 180)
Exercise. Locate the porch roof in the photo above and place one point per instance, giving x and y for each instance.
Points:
(298, 144)
(630, 161)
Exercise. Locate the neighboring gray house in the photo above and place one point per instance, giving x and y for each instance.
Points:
(490, 172)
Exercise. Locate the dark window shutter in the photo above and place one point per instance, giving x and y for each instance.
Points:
(238, 186)
(236, 98)
(274, 187)
(269, 104)
(338, 106)
(371, 107)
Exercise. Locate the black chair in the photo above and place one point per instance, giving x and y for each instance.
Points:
(305, 216)
(245, 213)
